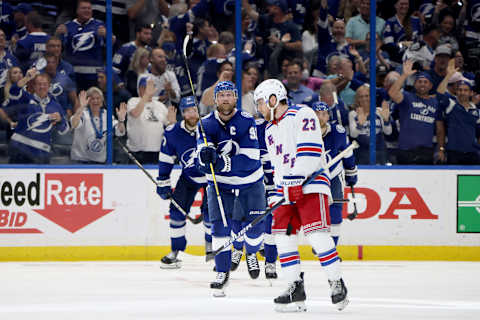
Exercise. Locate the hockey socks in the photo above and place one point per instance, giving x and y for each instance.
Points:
(287, 247)
(326, 253)
(223, 259)
(177, 235)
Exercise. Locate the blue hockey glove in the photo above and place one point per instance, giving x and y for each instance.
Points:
(164, 189)
(351, 176)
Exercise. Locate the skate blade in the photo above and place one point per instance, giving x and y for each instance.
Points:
(342, 304)
(291, 307)
(218, 293)
(176, 265)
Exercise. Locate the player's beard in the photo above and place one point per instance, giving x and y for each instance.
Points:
(191, 123)
(226, 109)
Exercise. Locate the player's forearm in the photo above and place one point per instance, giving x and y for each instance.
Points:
(395, 90)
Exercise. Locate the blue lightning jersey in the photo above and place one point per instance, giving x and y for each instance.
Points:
(335, 140)
(207, 75)
(238, 140)
(179, 143)
(122, 58)
(33, 133)
(60, 87)
(6, 62)
(83, 46)
(394, 31)
(264, 157)
(31, 47)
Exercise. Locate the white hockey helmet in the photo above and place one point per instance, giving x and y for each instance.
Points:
(269, 88)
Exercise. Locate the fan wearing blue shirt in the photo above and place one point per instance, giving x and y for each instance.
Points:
(420, 117)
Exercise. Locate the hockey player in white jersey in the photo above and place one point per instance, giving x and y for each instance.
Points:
(296, 150)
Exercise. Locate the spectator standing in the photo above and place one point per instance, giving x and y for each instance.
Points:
(331, 41)
(338, 113)
(89, 124)
(281, 33)
(358, 26)
(401, 30)
(359, 121)
(7, 61)
(84, 42)
(462, 122)
(443, 53)
(32, 46)
(123, 57)
(138, 65)
(419, 115)
(147, 119)
(31, 141)
(62, 88)
(298, 93)
(166, 84)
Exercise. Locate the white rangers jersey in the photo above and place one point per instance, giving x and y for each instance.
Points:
(296, 148)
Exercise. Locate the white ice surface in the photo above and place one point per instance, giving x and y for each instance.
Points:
(141, 290)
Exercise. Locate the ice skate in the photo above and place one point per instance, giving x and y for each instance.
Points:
(293, 299)
(236, 257)
(339, 294)
(170, 261)
(252, 265)
(270, 270)
(219, 284)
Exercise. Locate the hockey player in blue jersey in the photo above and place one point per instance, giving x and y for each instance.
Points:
(233, 152)
(179, 141)
(336, 140)
(270, 250)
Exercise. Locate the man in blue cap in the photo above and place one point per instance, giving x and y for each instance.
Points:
(179, 143)
(420, 117)
(336, 140)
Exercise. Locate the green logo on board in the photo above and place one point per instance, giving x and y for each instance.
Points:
(468, 203)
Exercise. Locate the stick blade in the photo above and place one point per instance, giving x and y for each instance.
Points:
(187, 46)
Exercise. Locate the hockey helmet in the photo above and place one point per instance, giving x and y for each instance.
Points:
(186, 103)
(269, 88)
(224, 86)
(320, 106)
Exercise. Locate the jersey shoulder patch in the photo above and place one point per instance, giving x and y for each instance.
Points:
(170, 127)
(340, 129)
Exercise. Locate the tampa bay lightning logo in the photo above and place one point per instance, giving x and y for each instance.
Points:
(424, 111)
(187, 159)
(95, 145)
(228, 7)
(83, 41)
(56, 89)
(476, 12)
(39, 122)
(228, 148)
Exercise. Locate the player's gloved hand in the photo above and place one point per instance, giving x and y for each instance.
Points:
(206, 156)
(351, 176)
(164, 189)
(292, 188)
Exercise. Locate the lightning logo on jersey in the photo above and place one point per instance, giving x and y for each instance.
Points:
(39, 122)
(83, 41)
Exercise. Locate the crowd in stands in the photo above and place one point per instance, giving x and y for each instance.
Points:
(53, 80)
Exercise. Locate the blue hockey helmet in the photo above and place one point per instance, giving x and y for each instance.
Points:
(186, 103)
(224, 86)
(320, 106)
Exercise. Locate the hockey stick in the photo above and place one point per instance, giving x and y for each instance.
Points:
(132, 157)
(354, 214)
(219, 199)
(242, 232)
